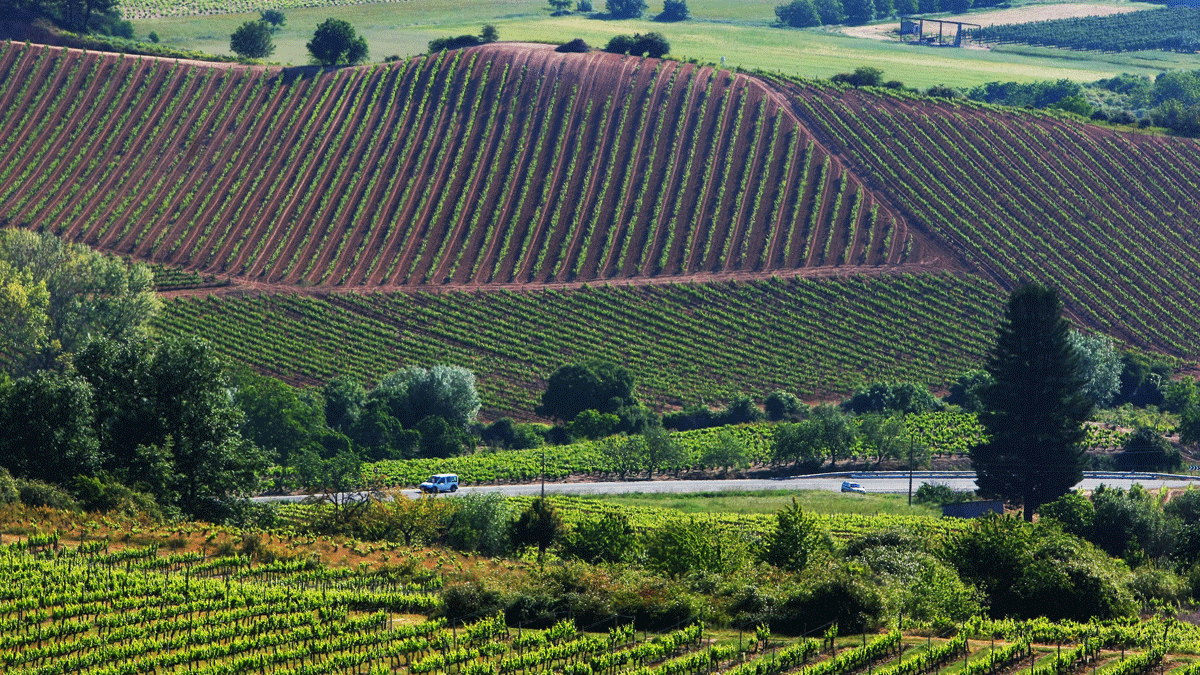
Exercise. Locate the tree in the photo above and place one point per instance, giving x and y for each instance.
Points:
(335, 43)
(798, 14)
(831, 11)
(594, 424)
(592, 385)
(683, 546)
(607, 539)
(624, 454)
(1147, 450)
(481, 524)
(727, 451)
(660, 450)
(274, 18)
(966, 390)
(413, 394)
(252, 40)
(1101, 363)
(904, 397)
(800, 443)
(796, 539)
(833, 432)
(674, 10)
(1035, 406)
(560, 7)
(70, 291)
(488, 34)
(783, 405)
(47, 434)
(653, 45)
(625, 9)
(863, 76)
(859, 11)
(539, 525)
(883, 435)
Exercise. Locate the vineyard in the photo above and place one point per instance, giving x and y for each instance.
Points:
(683, 342)
(1098, 213)
(90, 610)
(497, 166)
(1152, 29)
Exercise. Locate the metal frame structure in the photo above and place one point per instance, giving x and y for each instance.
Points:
(916, 25)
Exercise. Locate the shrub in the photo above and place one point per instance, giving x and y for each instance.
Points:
(940, 494)
(9, 494)
(783, 405)
(39, 493)
(673, 10)
(863, 76)
(1147, 450)
(576, 46)
(798, 14)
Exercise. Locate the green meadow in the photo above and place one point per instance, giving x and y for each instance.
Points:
(740, 32)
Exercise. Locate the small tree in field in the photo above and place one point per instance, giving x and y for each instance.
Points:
(336, 43)
(560, 7)
(674, 10)
(798, 14)
(252, 40)
(274, 18)
(625, 9)
(539, 525)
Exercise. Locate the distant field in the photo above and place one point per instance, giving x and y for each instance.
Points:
(741, 32)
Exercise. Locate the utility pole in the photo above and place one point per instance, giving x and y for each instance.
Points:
(544, 474)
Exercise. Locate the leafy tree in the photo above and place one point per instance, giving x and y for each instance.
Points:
(481, 524)
(607, 539)
(344, 400)
(727, 451)
(683, 546)
(884, 436)
(625, 9)
(961, 6)
(967, 390)
(1073, 512)
(798, 14)
(1035, 408)
(653, 45)
(442, 391)
(1101, 363)
(591, 385)
(1131, 525)
(377, 435)
(560, 7)
(273, 18)
(796, 539)
(594, 424)
(8, 488)
(859, 11)
(538, 525)
(278, 417)
(618, 44)
(1147, 450)
(336, 43)
(674, 10)
(831, 11)
(660, 450)
(800, 443)
(881, 397)
(440, 438)
(624, 454)
(252, 40)
(47, 435)
(833, 432)
(488, 34)
(783, 405)
(86, 295)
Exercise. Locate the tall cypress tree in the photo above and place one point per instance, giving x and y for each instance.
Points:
(1035, 407)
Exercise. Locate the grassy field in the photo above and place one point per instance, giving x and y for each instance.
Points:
(816, 501)
(740, 32)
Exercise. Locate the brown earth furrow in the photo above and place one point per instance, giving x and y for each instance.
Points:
(467, 135)
(22, 82)
(301, 177)
(549, 231)
(615, 163)
(740, 227)
(154, 151)
(403, 238)
(60, 68)
(483, 145)
(317, 182)
(500, 145)
(617, 221)
(442, 169)
(720, 150)
(188, 223)
(194, 237)
(777, 223)
(323, 217)
(62, 141)
(760, 237)
(107, 175)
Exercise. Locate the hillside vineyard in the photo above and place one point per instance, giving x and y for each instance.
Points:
(499, 166)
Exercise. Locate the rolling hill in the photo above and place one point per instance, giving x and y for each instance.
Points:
(511, 168)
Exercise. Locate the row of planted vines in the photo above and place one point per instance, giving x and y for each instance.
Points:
(1172, 29)
(485, 166)
(685, 343)
(86, 609)
(1102, 215)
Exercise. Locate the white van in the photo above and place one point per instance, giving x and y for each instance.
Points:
(441, 482)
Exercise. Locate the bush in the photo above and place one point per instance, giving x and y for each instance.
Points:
(673, 10)
(653, 45)
(904, 397)
(9, 494)
(940, 494)
(783, 405)
(105, 494)
(39, 493)
(625, 9)
(252, 40)
(576, 46)
(481, 524)
(609, 538)
(863, 76)
(942, 91)
(798, 14)
(1147, 450)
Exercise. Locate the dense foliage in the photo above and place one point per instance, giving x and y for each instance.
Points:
(1171, 29)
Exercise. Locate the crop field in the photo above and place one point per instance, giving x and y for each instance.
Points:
(90, 610)
(1102, 215)
(500, 166)
(685, 343)
(1153, 29)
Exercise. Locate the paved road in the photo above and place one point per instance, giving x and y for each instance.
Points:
(882, 482)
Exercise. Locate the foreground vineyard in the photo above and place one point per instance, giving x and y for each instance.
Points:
(504, 165)
(1106, 217)
(86, 610)
(685, 343)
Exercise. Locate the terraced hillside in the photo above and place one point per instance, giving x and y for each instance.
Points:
(500, 166)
